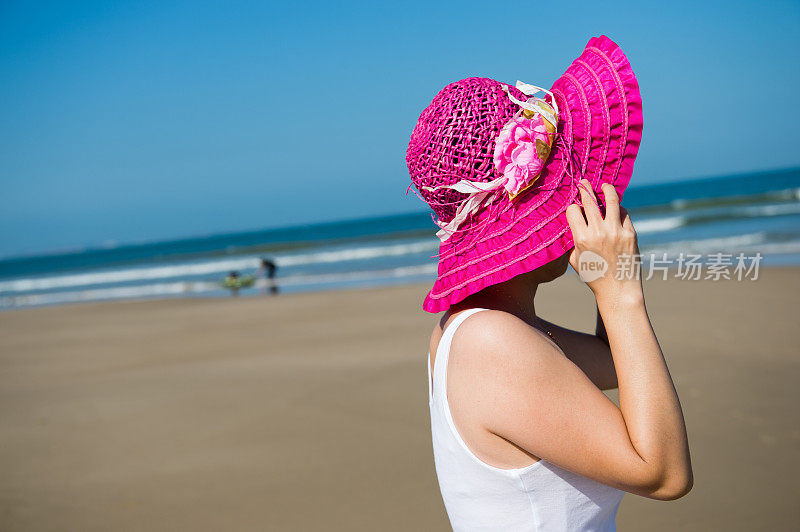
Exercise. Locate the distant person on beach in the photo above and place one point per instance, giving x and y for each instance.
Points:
(524, 186)
(267, 268)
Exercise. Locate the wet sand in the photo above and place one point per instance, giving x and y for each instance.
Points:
(309, 412)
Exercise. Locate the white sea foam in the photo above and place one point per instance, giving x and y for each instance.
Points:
(152, 273)
(657, 225)
(129, 274)
(747, 242)
(778, 209)
(360, 253)
(325, 278)
(668, 223)
(99, 294)
(197, 287)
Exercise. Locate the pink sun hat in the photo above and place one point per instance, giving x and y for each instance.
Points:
(499, 166)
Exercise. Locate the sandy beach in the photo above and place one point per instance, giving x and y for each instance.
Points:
(308, 412)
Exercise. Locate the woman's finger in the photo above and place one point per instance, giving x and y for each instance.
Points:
(576, 221)
(589, 202)
(612, 203)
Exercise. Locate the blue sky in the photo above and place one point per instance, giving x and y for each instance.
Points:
(143, 121)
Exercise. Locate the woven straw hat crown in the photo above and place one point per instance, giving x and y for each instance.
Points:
(454, 139)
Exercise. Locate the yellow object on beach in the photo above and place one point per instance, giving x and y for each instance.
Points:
(239, 282)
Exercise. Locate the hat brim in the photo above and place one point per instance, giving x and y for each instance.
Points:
(600, 127)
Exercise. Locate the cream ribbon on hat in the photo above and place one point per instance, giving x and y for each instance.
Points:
(478, 191)
(534, 104)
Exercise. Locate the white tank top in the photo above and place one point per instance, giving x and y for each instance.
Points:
(478, 496)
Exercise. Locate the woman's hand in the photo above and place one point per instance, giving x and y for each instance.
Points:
(606, 255)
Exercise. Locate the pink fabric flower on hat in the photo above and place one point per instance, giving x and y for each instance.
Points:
(521, 151)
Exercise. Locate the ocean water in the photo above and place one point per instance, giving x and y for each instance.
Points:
(750, 213)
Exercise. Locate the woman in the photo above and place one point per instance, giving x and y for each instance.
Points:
(523, 437)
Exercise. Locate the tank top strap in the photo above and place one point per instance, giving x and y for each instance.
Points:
(443, 351)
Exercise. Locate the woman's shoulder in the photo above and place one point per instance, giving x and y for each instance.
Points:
(495, 335)
(500, 372)
(485, 322)
(492, 325)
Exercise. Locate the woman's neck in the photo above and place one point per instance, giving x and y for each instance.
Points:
(514, 296)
